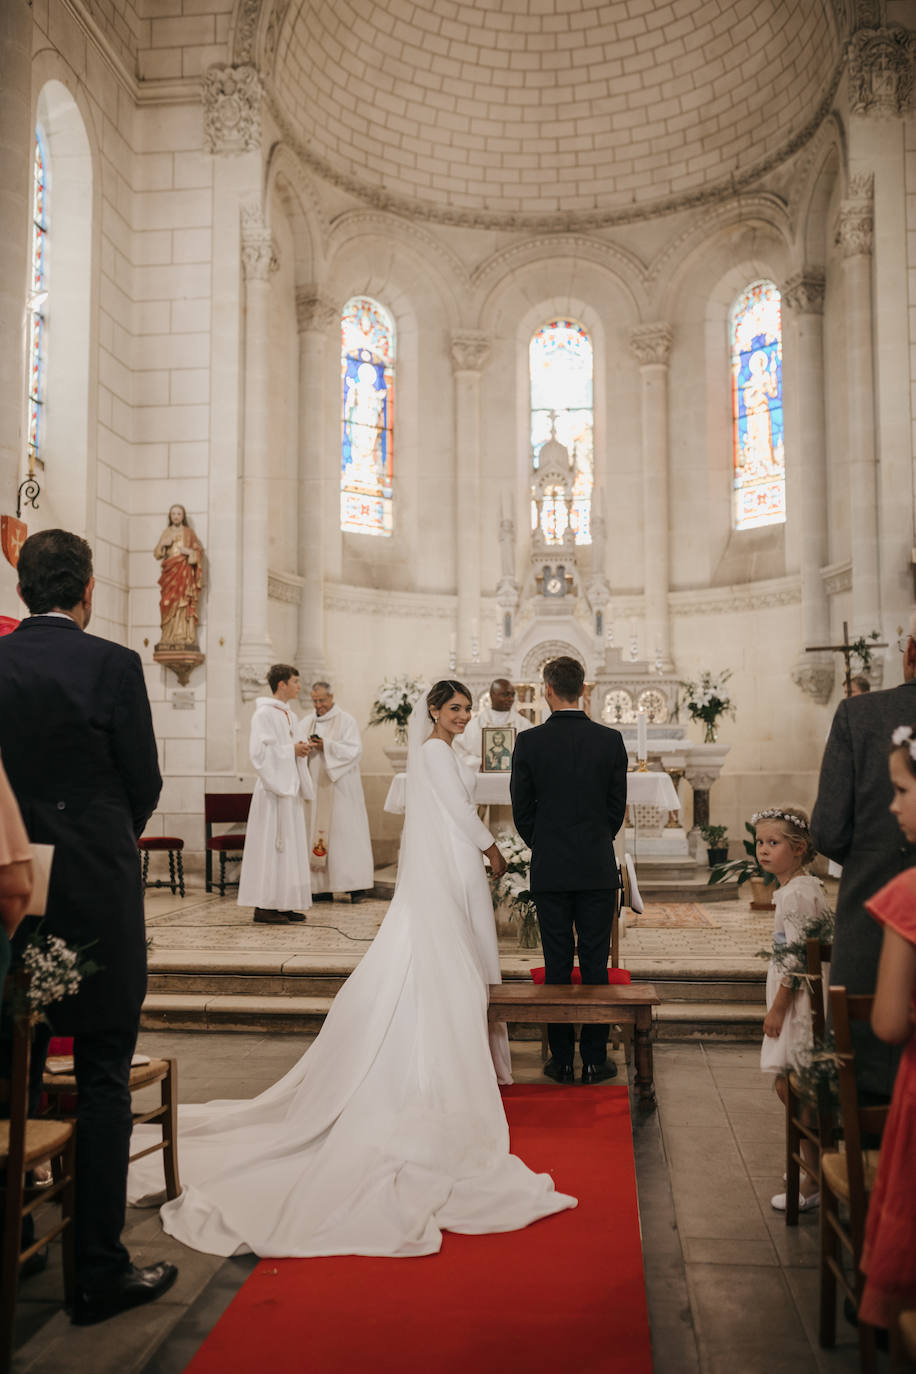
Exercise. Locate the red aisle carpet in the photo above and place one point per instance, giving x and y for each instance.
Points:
(565, 1293)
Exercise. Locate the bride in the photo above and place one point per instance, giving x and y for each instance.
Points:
(390, 1128)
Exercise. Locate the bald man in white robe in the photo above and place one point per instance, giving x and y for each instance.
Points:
(340, 847)
(500, 713)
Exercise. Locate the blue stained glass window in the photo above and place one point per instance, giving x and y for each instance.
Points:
(755, 338)
(367, 417)
(37, 300)
(561, 367)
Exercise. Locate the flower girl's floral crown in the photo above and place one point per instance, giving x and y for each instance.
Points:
(904, 735)
(773, 813)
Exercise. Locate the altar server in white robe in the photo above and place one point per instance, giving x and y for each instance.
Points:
(275, 861)
(501, 713)
(341, 850)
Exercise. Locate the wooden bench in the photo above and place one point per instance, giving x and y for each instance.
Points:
(627, 1004)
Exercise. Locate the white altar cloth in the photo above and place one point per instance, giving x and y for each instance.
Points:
(492, 789)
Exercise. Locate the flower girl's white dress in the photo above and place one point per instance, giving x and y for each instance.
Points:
(390, 1128)
(797, 905)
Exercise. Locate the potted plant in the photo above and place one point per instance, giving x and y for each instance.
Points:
(747, 870)
(716, 837)
(707, 700)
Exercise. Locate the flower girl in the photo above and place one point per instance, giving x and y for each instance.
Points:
(783, 848)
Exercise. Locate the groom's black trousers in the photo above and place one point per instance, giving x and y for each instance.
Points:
(568, 919)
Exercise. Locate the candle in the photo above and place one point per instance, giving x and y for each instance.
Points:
(452, 644)
(642, 735)
(474, 628)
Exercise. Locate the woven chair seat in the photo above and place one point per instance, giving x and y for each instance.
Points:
(43, 1140)
(225, 842)
(833, 1167)
(140, 1076)
(160, 842)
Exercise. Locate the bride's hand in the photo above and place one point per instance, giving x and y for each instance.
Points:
(498, 864)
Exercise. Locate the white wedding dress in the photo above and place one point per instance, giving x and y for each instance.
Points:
(390, 1128)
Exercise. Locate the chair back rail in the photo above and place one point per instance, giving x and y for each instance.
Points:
(858, 1121)
(226, 807)
(817, 954)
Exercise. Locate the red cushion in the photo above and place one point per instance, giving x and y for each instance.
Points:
(614, 975)
(226, 842)
(160, 842)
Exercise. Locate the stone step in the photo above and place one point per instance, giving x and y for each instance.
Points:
(686, 889)
(710, 1021)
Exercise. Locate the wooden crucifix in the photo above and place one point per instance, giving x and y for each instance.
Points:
(847, 650)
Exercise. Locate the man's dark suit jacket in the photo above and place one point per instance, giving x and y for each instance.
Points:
(852, 824)
(76, 735)
(569, 798)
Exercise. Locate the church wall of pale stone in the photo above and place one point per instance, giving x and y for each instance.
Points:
(207, 264)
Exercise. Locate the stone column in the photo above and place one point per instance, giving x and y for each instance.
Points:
(470, 352)
(803, 297)
(16, 141)
(651, 344)
(855, 233)
(314, 315)
(258, 260)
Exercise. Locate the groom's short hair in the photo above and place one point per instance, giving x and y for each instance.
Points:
(54, 570)
(566, 676)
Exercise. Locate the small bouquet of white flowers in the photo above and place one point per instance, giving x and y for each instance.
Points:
(394, 702)
(55, 971)
(707, 700)
(513, 891)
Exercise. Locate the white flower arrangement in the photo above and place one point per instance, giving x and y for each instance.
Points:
(707, 700)
(513, 890)
(394, 701)
(55, 971)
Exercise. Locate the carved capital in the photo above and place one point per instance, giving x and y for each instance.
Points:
(313, 311)
(815, 677)
(232, 109)
(252, 679)
(881, 65)
(259, 254)
(855, 231)
(804, 293)
(470, 352)
(651, 343)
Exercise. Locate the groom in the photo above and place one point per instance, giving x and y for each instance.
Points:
(569, 796)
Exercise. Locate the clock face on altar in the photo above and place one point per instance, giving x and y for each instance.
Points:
(554, 586)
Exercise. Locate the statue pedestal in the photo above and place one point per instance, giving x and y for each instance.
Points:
(179, 659)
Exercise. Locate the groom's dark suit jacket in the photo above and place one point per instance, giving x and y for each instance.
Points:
(569, 797)
(76, 735)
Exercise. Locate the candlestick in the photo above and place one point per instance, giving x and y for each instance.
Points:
(452, 652)
(642, 736)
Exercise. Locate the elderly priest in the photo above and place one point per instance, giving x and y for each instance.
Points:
(341, 851)
(500, 713)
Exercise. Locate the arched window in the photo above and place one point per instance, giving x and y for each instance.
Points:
(37, 300)
(367, 417)
(560, 367)
(755, 339)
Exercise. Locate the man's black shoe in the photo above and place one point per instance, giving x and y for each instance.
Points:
(322, 896)
(132, 1288)
(599, 1073)
(293, 915)
(357, 896)
(267, 917)
(560, 1073)
(35, 1264)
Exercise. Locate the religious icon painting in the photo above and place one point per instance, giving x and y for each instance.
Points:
(496, 745)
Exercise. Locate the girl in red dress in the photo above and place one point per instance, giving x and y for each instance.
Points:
(889, 1257)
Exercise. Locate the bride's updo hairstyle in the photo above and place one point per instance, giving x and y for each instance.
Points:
(443, 691)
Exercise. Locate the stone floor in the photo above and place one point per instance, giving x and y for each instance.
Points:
(730, 1290)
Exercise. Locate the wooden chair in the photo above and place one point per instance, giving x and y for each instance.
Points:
(848, 1177)
(906, 1343)
(23, 1144)
(60, 1089)
(821, 1135)
(173, 844)
(223, 808)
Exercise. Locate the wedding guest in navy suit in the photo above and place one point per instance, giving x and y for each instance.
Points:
(76, 735)
(569, 797)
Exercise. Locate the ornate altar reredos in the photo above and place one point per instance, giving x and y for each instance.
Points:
(562, 605)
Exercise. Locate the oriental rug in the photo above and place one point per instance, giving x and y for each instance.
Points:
(564, 1293)
(672, 916)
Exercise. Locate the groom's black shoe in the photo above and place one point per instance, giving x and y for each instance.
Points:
(130, 1289)
(560, 1073)
(599, 1073)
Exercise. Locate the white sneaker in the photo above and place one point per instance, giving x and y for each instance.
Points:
(805, 1204)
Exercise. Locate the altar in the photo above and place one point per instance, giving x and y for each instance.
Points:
(492, 789)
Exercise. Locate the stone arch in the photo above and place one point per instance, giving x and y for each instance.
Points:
(284, 173)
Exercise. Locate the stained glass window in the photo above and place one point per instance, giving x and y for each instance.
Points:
(37, 300)
(755, 337)
(561, 365)
(367, 417)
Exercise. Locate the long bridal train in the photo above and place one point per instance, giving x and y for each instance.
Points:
(390, 1128)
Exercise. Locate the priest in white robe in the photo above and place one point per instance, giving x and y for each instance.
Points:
(340, 847)
(275, 861)
(501, 713)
